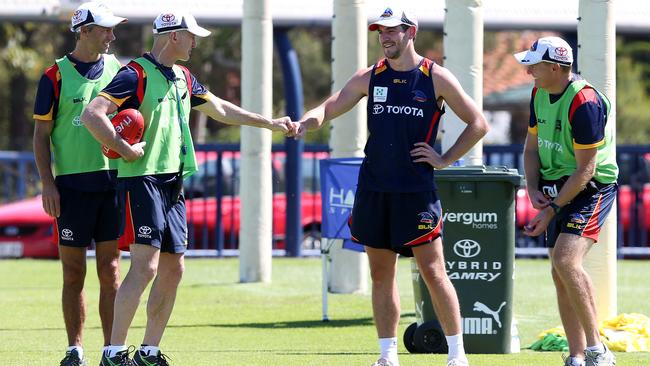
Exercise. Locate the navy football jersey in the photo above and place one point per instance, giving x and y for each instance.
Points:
(402, 110)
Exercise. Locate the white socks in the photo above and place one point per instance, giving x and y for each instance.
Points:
(600, 348)
(111, 350)
(388, 349)
(149, 350)
(80, 351)
(577, 361)
(456, 348)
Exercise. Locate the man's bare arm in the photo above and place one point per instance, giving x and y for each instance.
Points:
(228, 113)
(95, 118)
(43, 156)
(449, 89)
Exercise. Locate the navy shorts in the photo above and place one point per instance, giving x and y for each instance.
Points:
(87, 216)
(585, 214)
(395, 221)
(152, 216)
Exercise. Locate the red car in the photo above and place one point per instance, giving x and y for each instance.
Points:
(200, 192)
(26, 230)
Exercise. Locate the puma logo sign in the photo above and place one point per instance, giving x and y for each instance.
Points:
(479, 306)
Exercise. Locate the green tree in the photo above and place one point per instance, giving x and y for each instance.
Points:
(20, 62)
(632, 103)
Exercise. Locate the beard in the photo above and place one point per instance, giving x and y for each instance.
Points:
(396, 50)
(393, 54)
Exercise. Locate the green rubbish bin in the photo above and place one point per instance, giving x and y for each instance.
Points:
(478, 212)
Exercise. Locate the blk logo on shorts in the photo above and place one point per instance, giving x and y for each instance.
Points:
(577, 221)
(426, 221)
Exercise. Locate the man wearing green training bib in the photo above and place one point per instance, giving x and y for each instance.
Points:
(164, 93)
(83, 197)
(571, 174)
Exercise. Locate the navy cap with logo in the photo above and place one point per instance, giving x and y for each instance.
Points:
(547, 49)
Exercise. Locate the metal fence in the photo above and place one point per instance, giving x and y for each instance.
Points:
(221, 175)
(212, 196)
(18, 176)
(633, 197)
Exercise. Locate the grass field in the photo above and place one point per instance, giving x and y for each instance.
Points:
(218, 321)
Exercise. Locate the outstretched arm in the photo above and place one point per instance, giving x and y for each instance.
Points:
(338, 103)
(228, 113)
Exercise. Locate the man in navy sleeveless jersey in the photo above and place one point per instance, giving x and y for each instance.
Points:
(396, 209)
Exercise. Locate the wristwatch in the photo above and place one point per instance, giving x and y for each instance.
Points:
(555, 207)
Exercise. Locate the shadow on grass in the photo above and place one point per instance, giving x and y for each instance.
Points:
(295, 324)
(332, 323)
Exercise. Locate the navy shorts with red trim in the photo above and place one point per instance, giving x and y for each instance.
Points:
(86, 217)
(152, 216)
(396, 221)
(585, 215)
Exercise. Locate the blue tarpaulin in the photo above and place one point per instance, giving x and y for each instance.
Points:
(338, 181)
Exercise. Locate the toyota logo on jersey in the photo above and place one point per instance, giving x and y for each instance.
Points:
(397, 109)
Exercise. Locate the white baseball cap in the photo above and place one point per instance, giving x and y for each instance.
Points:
(392, 17)
(94, 13)
(547, 49)
(175, 20)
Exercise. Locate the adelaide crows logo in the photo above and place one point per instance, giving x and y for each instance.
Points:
(387, 13)
(419, 96)
(426, 221)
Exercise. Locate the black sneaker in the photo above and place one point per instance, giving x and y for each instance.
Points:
(120, 359)
(142, 359)
(72, 359)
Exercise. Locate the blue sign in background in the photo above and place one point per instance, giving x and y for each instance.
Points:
(338, 181)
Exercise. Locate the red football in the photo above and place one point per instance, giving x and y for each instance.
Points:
(129, 124)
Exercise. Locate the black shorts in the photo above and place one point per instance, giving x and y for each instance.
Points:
(86, 217)
(152, 216)
(395, 221)
(584, 215)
